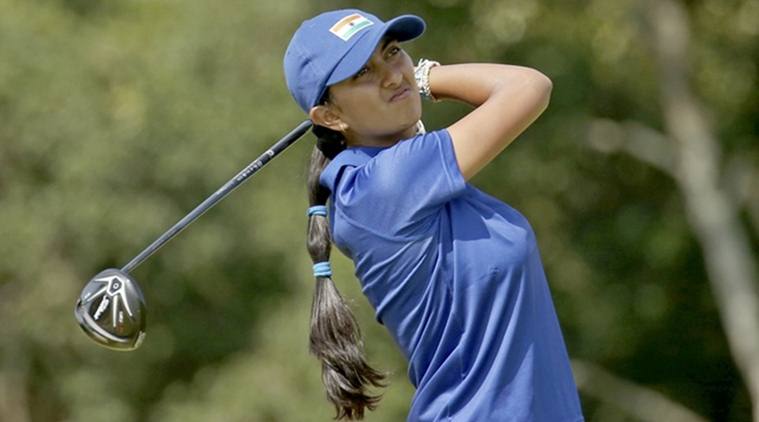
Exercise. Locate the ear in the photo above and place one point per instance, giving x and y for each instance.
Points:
(324, 115)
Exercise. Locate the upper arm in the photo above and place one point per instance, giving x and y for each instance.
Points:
(508, 100)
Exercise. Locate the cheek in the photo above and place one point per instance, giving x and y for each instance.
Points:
(366, 111)
(362, 110)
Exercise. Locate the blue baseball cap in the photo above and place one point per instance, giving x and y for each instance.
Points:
(333, 46)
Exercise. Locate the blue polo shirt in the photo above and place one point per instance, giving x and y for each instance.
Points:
(455, 275)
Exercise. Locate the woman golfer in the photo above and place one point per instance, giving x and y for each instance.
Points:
(454, 274)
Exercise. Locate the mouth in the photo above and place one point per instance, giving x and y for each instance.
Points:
(400, 94)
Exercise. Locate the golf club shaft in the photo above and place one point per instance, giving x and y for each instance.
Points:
(217, 196)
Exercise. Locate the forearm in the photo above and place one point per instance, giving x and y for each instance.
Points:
(506, 100)
(474, 83)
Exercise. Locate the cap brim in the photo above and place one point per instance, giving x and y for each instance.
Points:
(402, 28)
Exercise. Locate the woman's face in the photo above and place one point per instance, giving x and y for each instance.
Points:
(380, 104)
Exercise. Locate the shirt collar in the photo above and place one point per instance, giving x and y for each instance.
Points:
(353, 156)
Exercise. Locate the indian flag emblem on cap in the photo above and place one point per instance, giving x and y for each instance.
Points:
(348, 26)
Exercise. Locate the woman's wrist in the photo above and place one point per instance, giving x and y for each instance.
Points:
(422, 76)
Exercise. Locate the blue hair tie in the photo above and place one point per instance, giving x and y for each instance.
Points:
(322, 269)
(317, 210)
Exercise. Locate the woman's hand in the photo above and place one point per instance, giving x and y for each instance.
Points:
(507, 99)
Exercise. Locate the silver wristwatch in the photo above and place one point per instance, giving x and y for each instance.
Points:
(422, 76)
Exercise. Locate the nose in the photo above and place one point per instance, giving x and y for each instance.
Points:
(391, 76)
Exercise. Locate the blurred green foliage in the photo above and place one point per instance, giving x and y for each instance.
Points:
(117, 118)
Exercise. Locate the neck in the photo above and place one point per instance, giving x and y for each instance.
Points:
(355, 140)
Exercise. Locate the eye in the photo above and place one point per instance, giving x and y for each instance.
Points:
(393, 50)
(361, 72)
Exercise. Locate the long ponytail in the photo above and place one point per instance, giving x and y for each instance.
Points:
(335, 337)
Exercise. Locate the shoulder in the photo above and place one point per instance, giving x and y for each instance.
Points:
(350, 158)
(402, 157)
(396, 189)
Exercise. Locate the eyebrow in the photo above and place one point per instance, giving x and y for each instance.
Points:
(385, 42)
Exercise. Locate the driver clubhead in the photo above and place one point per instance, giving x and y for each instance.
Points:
(111, 310)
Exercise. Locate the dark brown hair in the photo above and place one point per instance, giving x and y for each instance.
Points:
(335, 337)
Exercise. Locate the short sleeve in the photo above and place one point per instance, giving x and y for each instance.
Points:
(398, 190)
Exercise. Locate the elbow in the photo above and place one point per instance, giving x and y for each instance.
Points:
(544, 86)
(548, 86)
(535, 84)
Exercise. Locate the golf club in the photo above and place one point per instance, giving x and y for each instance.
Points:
(111, 307)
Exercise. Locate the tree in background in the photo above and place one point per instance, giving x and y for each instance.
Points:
(119, 117)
